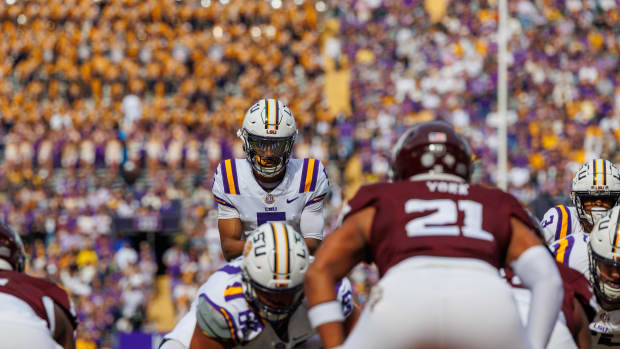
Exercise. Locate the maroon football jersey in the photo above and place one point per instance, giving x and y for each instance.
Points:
(32, 290)
(575, 286)
(437, 218)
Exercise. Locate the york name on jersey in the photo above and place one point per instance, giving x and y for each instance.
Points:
(305, 183)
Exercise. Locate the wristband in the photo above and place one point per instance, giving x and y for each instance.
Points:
(325, 312)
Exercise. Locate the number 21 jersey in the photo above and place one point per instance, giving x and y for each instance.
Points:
(445, 218)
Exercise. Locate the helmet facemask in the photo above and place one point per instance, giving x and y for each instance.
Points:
(590, 216)
(268, 155)
(605, 279)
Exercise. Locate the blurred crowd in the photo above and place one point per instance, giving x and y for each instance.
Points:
(122, 109)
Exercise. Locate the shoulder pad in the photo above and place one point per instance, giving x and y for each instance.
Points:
(214, 320)
(310, 172)
(227, 173)
(557, 223)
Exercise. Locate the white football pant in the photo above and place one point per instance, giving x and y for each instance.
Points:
(440, 302)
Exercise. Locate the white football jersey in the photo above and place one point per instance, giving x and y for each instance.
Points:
(223, 313)
(559, 222)
(305, 183)
(572, 251)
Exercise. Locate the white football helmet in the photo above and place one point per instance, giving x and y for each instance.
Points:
(596, 179)
(268, 133)
(275, 260)
(604, 254)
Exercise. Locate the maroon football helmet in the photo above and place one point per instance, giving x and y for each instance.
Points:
(12, 248)
(431, 147)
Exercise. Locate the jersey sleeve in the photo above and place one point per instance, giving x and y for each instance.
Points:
(317, 180)
(557, 223)
(344, 294)
(365, 197)
(221, 189)
(214, 321)
(60, 297)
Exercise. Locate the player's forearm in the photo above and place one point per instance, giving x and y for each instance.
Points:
(232, 248)
(332, 334)
(312, 244)
(319, 288)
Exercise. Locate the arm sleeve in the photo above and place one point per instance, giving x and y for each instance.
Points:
(225, 212)
(211, 322)
(312, 221)
(539, 274)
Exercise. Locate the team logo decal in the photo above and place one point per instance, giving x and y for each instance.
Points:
(269, 199)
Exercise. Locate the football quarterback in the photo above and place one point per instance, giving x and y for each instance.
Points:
(257, 301)
(595, 189)
(268, 185)
(34, 313)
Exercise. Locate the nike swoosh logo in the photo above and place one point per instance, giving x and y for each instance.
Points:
(289, 201)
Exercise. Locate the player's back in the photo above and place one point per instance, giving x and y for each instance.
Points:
(27, 306)
(441, 218)
(39, 295)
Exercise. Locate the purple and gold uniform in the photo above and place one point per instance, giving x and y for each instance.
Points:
(222, 312)
(239, 195)
(559, 222)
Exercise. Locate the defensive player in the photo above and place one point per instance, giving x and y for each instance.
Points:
(34, 313)
(268, 185)
(438, 242)
(595, 189)
(257, 301)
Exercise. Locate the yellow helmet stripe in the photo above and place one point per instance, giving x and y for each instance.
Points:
(276, 258)
(595, 171)
(288, 252)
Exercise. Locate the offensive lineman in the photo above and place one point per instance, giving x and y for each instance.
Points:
(595, 189)
(34, 313)
(267, 186)
(438, 242)
(257, 301)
